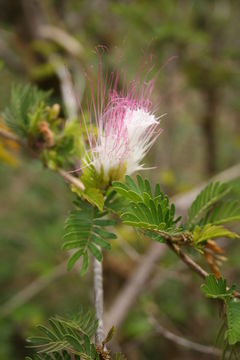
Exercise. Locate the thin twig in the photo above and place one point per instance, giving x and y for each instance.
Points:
(35, 287)
(187, 260)
(191, 263)
(62, 38)
(66, 84)
(32, 290)
(98, 299)
(179, 340)
(71, 179)
(10, 136)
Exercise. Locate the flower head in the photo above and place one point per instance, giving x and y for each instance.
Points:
(126, 127)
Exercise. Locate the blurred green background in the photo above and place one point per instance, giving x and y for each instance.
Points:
(196, 55)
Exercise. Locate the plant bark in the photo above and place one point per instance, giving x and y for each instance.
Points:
(98, 299)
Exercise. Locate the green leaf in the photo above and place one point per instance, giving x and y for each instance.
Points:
(84, 263)
(115, 203)
(202, 234)
(226, 212)
(143, 209)
(74, 258)
(68, 337)
(99, 241)
(70, 340)
(216, 288)
(63, 355)
(84, 322)
(209, 196)
(95, 251)
(109, 335)
(233, 320)
(93, 179)
(85, 230)
(74, 342)
(26, 102)
(94, 196)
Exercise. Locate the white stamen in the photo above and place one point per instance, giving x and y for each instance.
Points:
(129, 145)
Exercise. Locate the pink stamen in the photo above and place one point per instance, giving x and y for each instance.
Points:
(115, 114)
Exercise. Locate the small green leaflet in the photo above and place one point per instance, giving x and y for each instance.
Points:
(85, 232)
(114, 202)
(209, 196)
(65, 337)
(92, 182)
(145, 209)
(202, 234)
(71, 340)
(93, 195)
(63, 355)
(27, 102)
(216, 288)
(233, 320)
(226, 212)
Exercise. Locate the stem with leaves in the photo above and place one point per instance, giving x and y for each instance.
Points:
(186, 259)
(144, 209)
(97, 265)
(67, 177)
(192, 264)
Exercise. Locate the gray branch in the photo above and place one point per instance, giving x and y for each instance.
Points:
(32, 289)
(183, 342)
(98, 299)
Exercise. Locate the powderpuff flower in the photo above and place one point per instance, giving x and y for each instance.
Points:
(123, 126)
